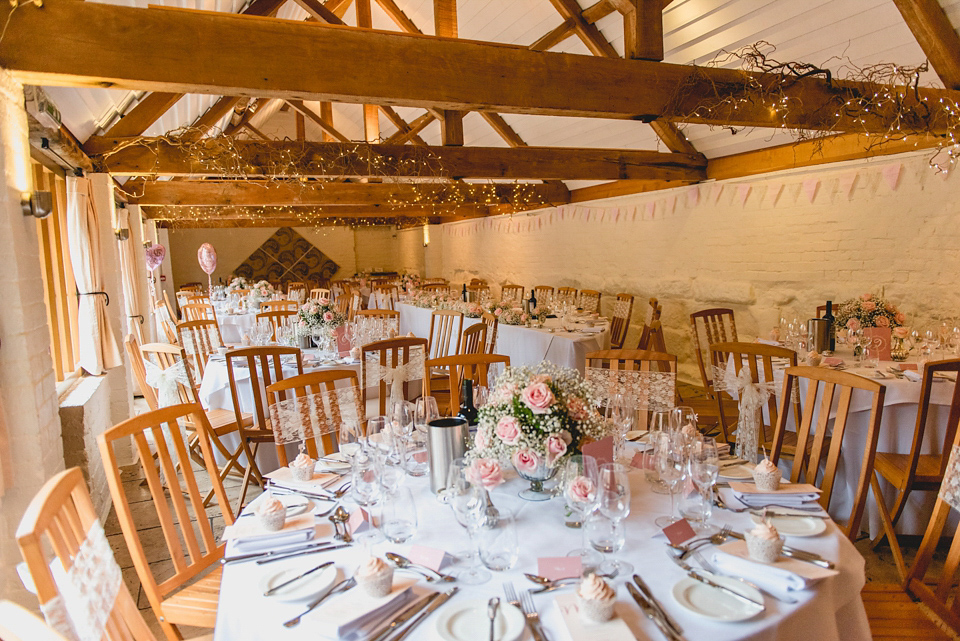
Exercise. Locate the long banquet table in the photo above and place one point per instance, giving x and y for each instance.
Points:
(524, 345)
(830, 610)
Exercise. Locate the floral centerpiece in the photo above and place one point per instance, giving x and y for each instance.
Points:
(259, 292)
(868, 310)
(238, 282)
(471, 309)
(508, 313)
(410, 282)
(535, 417)
(319, 315)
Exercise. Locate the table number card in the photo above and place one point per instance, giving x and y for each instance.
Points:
(679, 532)
(637, 460)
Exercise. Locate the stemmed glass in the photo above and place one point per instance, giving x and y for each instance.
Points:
(580, 478)
(670, 466)
(704, 465)
(659, 424)
(620, 414)
(606, 523)
(469, 503)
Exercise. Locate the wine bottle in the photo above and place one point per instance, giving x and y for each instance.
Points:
(464, 294)
(467, 410)
(532, 303)
(831, 327)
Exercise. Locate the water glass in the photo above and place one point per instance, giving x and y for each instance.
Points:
(660, 423)
(425, 411)
(497, 541)
(670, 465)
(366, 487)
(607, 535)
(613, 504)
(398, 519)
(580, 478)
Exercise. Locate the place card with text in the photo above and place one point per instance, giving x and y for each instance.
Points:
(560, 567)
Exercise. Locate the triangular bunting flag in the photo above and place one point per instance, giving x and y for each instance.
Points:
(810, 187)
(743, 192)
(773, 192)
(670, 204)
(648, 209)
(891, 174)
(715, 192)
(847, 183)
(693, 196)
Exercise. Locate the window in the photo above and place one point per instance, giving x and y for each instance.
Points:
(60, 291)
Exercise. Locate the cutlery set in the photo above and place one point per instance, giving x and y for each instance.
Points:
(652, 609)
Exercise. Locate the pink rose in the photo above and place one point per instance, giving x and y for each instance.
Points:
(866, 296)
(882, 321)
(508, 430)
(900, 318)
(328, 316)
(542, 378)
(498, 312)
(576, 408)
(901, 332)
(303, 323)
(485, 472)
(869, 306)
(526, 461)
(853, 324)
(538, 397)
(556, 447)
(581, 490)
(480, 440)
(324, 301)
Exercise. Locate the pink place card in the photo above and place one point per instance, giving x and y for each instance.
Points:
(601, 450)
(679, 532)
(638, 460)
(908, 366)
(560, 567)
(359, 521)
(429, 557)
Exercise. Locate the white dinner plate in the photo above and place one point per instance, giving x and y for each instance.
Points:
(736, 472)
(715, 604)
(469, 622)
(294, 503)
(303, 590)
(796, 525)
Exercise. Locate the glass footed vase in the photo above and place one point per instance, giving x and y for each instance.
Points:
(898, 349)
(537, 478)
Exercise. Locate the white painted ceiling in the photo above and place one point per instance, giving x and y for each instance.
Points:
(829, 33)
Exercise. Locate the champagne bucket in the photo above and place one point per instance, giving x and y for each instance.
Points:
(446, 442)
(818, 331)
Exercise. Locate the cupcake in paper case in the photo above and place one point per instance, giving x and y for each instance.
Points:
(596, 599)
(375, 577)
(302, 467)
(764, 543)
(766, 476)
(272, 514)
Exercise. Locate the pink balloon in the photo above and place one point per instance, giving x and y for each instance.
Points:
(207, 256)
(155, 254)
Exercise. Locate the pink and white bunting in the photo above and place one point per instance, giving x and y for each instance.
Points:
(810, 188)
(891, 175)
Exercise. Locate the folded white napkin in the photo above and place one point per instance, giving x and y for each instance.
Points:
(593, 330)
(272, 541)
(356, 614)
(911, 375)
(793, 500)
(249, 535)
(786, 575)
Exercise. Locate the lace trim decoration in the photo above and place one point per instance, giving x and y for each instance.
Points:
(394, 374)
(201, 340)
(644, 390)
(167, 382)
(621, 308)
(950, 488)
(88, 590)
(308, 417)
(752, 397)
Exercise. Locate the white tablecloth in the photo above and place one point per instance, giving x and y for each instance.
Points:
(524, 345)
(234, 326)
(832, 610)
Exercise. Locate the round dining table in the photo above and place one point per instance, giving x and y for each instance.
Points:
(830, 610)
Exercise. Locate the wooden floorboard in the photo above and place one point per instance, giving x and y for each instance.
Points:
(894, 615)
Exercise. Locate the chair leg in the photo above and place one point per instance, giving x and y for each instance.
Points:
(888, 528)
(171, 631)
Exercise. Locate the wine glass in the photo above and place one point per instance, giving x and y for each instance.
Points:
(366, 485)
(399, 516)
(606, 523)
(619, 413)
(684, 419)
(670, 465)
(469, 503)
(580, 478)
(659, 424)
(703, 462)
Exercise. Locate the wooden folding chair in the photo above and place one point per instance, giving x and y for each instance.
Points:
(589, 301)
(180, 599)
(265, 365)
(436, 288)
(620, 323)
(318, 383)
(815, 447)
(940, 593)
(377, 313)
(655, 310)
(477, 292)
(166, 323)
(296, 286)
(320, 293)
(542, 291)
(916, 471)
(199, 340)
(493, 325)
(279, 306)
(512, 293)
(390, 353)
(718, 327)
(636, 360)
(474, 339)
(459, 366)
(445, 326)
(277, 319)
(566, 295)
(198, 311)
(198, 299)
(56, 524)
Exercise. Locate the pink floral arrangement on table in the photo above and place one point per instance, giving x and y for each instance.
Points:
(410, 282)
(263, 289)
(508, 313)
(432, 300)
(471, 309)
(537, 416)
(239, 282)
(319, 315)
(869, 310)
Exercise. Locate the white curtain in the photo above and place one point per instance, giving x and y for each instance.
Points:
(130, 276)
(98, 347)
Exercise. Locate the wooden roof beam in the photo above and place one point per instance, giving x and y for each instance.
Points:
(588, 32)
(642, 29)
(416, 127)
(402, 125)
(321, 122)
(936, 36)
(263, 58)
(345, 211)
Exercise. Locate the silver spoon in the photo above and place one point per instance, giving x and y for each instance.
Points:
(406, 564)
(492, 606)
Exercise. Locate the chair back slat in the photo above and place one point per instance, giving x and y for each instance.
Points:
(590, 301)
(542, 291)
(566, 295)
(493, 326)
(512, 293)
(389, 353)
(276, 318)
(445, 324)
(474, 339)
(279, 305)
(320, 293)
(709, 326)
(199, 339)
(316, 383)
(620, 321)
(199, 311)
(459, 366)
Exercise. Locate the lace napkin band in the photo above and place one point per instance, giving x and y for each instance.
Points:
(644, 390)
(307, 417)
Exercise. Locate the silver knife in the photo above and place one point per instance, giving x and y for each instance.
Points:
(771, 513)
(343, 586)
(800, 555)
(263, 555)
(318, 550)
(297, 578)
(404, 616)
(650, 612)
(702, 578)
(676, 629)
(436, 603)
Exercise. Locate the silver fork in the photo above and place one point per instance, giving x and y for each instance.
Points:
(533, 618)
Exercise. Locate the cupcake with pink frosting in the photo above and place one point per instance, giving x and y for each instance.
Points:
(272, 513)
(764, 543)
(766, 476)
(302, 467)
(375, 576)
(596, 599)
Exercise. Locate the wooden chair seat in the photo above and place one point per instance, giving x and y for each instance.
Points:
(196, 604)
(894, 467)
(225, 421)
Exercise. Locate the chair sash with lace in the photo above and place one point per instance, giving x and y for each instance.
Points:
(752, 397)
(395, 374)
(621, 308)
(88, 590)
(199, 340)
(950, 487)
(167, 382)
(644, 390)
(302, 418)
